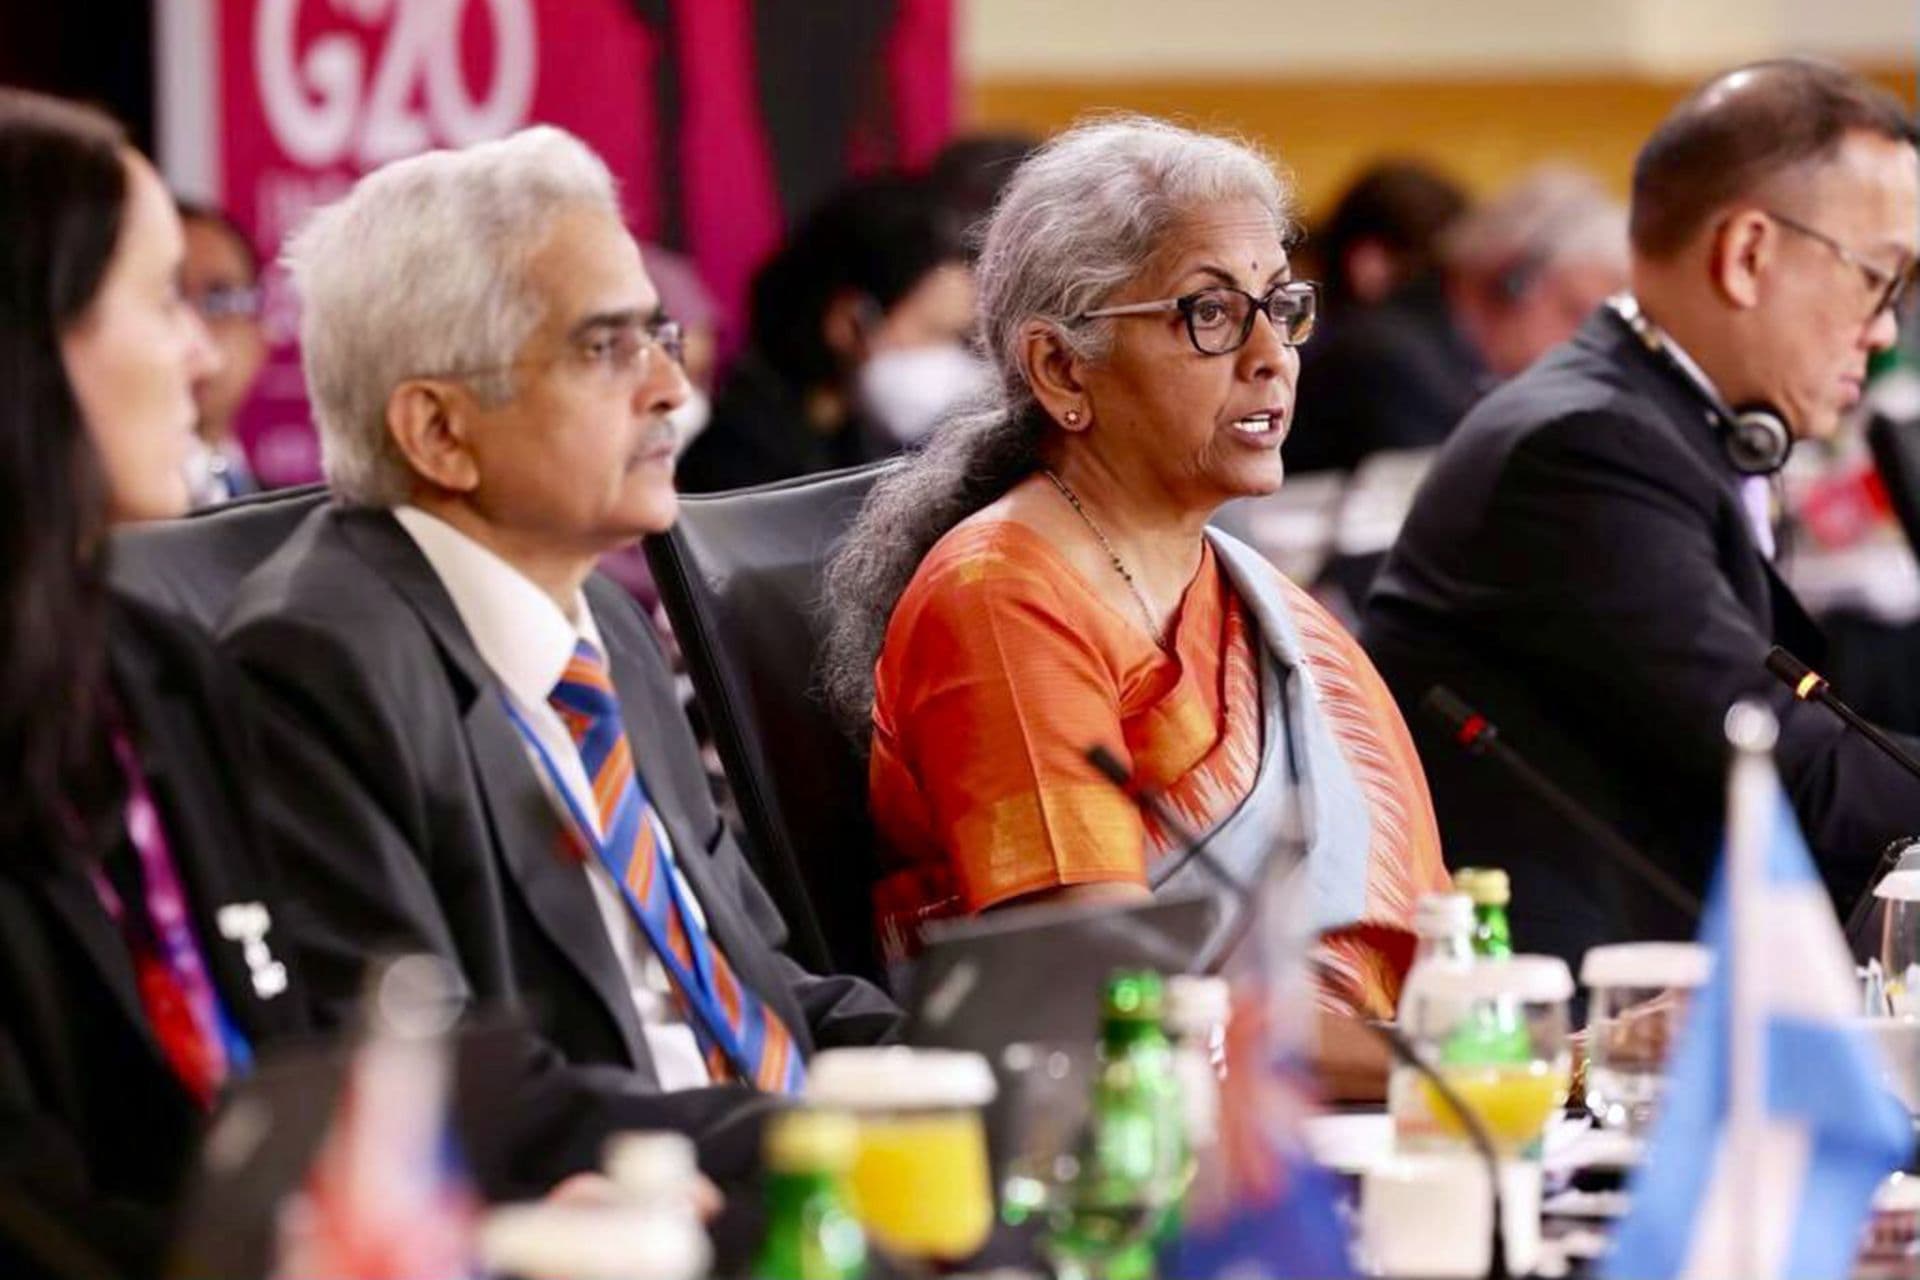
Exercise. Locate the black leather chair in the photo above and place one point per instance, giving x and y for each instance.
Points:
(739, 575)
(193, 565)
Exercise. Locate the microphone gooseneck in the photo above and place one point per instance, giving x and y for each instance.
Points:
(1478, 736)
(1809, 685)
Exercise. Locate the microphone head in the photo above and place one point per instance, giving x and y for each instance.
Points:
(1463, 724)
(1795, 674)
(1109, 767)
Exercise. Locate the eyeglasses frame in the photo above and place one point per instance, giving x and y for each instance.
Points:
(1889, 288)
(1185, 303)
(665, 335)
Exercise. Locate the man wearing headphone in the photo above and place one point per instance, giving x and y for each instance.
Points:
(1589, 563)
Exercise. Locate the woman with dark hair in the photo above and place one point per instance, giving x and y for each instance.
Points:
(1040, 579)
(856, 342)
(139, 959)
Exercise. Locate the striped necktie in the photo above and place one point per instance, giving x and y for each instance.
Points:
(742, 1037)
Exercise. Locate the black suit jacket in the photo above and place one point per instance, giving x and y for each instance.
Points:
(1579, 565)
(96, 1133)
(410, 818)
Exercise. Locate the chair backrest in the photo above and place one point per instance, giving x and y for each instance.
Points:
(193, 565)
(740, 577)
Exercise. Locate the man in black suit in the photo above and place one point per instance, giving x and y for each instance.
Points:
(1588, 565)
(476, 749)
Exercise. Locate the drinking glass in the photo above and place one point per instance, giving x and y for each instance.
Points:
(1639, 996)
(919, 1182)
(1496, 1031)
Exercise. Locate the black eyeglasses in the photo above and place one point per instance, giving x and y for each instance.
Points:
(1889, 288)
(1220, 319)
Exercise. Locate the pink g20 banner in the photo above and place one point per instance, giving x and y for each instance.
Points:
(722, 119)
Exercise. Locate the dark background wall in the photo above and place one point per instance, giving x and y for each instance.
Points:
(100, 51)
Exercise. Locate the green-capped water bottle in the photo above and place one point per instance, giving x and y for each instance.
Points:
(1133, 1156)
(1492, 894)
(1498, 1034)
(811, 1233)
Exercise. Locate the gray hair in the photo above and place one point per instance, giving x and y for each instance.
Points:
(421, 270)
(1551, 215)
(1078, 220)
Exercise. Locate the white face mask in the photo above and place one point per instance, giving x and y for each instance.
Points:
(690, 419)
(908, 391)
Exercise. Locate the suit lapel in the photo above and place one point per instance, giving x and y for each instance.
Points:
(746, 949)
(543, 865)
(528, 835)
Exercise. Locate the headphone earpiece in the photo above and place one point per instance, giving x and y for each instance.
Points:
(1756, 439)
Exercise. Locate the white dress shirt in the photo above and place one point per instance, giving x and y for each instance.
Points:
(526, 641)
(1756, 493)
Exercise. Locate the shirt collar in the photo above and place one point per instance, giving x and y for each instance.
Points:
(521, 634)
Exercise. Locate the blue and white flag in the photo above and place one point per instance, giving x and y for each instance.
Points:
(1776, 1128)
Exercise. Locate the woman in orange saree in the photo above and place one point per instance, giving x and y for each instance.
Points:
(1041, 579)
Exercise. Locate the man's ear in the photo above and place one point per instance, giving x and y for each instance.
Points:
(431, 424)
(1742, 248)
(1054, 372)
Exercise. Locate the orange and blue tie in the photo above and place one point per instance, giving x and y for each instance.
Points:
(742, 1037)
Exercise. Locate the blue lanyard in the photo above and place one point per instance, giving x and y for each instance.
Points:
(698, 988)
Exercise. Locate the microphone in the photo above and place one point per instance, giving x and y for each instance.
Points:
(1809, 685)
(1477, 735)
(1194, 849)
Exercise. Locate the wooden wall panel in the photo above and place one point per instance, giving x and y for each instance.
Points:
(1484, 131)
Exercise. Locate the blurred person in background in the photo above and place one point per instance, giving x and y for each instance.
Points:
(1516, 276)
(969, 174)
(1589, 562)
(473, 744)
(1383, 234)
(221, 282)
(142, 963)
(1526, 268)
(1039, 580)
(856, 342)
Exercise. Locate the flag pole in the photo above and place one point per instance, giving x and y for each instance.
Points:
(1752, 731)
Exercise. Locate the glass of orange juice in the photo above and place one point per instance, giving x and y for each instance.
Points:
(1495, 1030)
(920, 1183)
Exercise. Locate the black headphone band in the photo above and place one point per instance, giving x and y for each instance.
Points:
(1755, 438)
